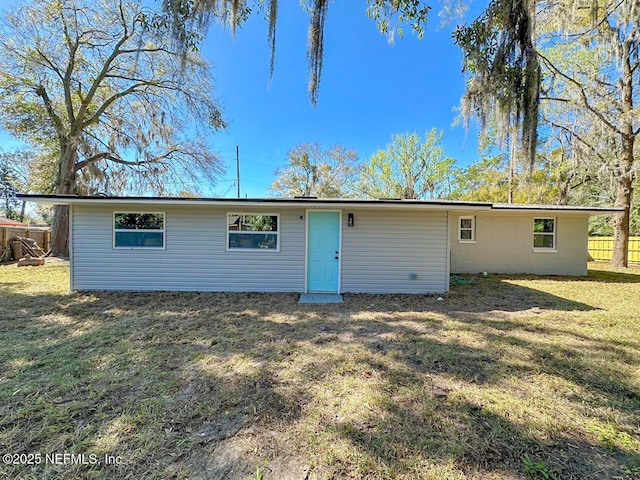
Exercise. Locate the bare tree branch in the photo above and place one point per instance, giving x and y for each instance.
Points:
(57, 122)
(583, 95)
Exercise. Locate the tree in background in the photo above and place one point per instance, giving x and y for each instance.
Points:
(314, 172)
(503, 73)
(583, 178)
(487, 180)
(9, 186)
(124, 109)
(408, 168)
(483, 181)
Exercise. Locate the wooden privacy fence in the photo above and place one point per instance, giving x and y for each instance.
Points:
(601, 248)
(39, 234)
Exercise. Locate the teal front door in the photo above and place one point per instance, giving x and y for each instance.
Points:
(323, 251)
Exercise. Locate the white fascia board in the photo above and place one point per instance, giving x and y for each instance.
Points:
(550, 211)
(500, 209)
(244, 204)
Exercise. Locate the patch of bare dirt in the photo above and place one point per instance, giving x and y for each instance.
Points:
(228, 449)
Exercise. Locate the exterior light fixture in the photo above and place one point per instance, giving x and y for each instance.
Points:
(350, 220)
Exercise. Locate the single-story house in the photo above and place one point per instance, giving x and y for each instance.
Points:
(312, 244)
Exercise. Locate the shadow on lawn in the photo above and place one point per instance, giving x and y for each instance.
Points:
(607, 276)
(487, 295)
(498, 293)
(158, 361)
(599, 276)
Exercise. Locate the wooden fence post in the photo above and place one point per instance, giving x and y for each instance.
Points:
(45, 240)
(3, 240)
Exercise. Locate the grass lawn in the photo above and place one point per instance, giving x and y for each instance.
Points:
(511, 377)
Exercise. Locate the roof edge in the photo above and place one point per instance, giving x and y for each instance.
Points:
(62, 199)
(557, 208)
(59, 199)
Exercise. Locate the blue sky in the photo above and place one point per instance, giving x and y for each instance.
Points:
(370, 90)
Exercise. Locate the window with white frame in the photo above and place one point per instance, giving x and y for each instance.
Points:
(248, 231)
(467, 229)
(544, 234)
(138, 230)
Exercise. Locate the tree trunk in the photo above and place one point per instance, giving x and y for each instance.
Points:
(60, 231)
(512, 162)
(624, 173)
(564, 182)
(622, 220)
(563, 189)
(22, 209)
(510, 193)
(65, 184)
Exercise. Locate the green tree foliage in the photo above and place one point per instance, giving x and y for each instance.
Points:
(487, 180)
(483, 181)
(9, 187)
(503, 71)
(410, 168)
(586, 181)
(315, 172)
(31, 172)
(123, 108)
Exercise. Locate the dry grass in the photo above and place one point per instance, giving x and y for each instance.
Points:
(512, 377)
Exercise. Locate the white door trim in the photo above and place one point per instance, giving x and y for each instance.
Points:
(306, 245)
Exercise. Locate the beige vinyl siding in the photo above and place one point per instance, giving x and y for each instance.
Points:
(504, 244)
(385, 247)
(194, 258)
